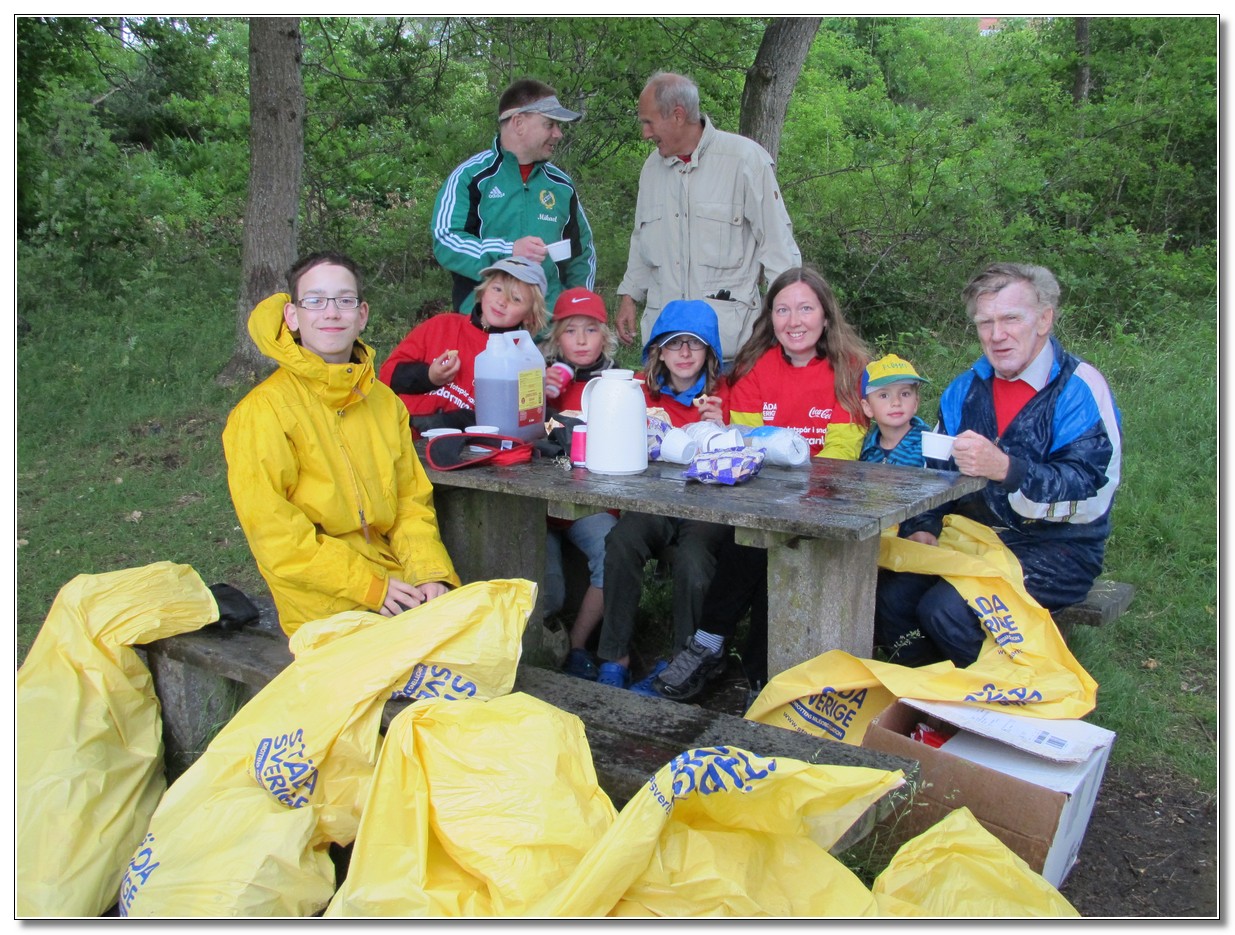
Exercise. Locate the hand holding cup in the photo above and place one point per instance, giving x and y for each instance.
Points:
(557, 377)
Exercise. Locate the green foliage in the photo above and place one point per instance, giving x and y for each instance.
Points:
(1156, 665)
(913, 177)
(118, 431)
(106, 184)
(915, 150)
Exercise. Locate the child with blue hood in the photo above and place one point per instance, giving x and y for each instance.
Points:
(682, 365)
(682, 375)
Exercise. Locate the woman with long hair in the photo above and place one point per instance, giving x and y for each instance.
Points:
(800, 369)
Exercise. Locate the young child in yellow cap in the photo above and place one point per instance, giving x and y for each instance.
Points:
(890, 401)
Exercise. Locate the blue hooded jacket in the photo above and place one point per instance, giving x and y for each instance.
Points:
(1053, 510)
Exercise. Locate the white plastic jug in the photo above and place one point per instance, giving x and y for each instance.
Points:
(510, 386)
(617, 424)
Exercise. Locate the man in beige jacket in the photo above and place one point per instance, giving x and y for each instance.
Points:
(710, 222)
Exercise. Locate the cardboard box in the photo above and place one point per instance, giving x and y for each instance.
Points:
(1031, 782)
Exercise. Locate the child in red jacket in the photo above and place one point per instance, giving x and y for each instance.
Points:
(434, 368)
(582, 339)
(682, 376)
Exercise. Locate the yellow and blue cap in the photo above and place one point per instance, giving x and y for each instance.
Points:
(887, 370)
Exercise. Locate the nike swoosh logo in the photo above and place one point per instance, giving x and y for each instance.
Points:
(578, 299)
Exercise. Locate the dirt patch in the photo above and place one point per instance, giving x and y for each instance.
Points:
(1151, 850)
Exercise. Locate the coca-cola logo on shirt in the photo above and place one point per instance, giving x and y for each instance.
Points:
(820, 414)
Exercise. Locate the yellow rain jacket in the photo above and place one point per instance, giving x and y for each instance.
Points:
(325, 481)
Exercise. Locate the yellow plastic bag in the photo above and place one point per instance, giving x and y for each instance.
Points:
(723, 832)
(245, 830)
(89, 766)
(834, 695)
(476, 809)
(958, 869)
(1024, 663)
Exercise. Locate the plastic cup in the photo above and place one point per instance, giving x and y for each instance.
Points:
(678, 447)
(483, 430)
(937, 446)
(568, 373)
(578, 446)
(559, 252)
(701, 432)
(722, 440)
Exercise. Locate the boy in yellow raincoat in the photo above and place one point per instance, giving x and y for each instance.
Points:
(335, 504)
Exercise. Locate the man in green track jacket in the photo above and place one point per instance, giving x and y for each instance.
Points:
(510, 200)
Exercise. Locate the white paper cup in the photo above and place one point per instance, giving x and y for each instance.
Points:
(559, 252)
(434, 433)
(678, 447)
(702, 431)
(722, 440)
(483, 430)
(784, 447)
(937, 446)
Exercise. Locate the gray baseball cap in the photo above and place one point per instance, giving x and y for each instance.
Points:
(522, 269)
(551, 107)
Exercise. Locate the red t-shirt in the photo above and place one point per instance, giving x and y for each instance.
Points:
(777, 393)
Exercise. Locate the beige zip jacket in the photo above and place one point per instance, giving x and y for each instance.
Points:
(715, 223)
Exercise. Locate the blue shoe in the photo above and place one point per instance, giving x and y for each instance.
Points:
(615, 674)
(644, 685)
(579, 664)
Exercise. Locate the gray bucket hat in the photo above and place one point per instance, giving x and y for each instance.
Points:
(522, 269)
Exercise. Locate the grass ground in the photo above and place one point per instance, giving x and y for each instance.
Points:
(119, 464)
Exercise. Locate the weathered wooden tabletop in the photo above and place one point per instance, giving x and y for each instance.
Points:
(828, 499)
(819, 524)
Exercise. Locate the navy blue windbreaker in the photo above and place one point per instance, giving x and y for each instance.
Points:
(1053, 510)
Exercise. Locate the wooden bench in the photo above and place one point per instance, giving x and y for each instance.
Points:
(1107, 601)
(202, 677)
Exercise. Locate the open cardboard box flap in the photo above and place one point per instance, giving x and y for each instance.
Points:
(1064, 741)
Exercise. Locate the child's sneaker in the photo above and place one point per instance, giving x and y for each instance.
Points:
(644, 685)
(579, 664)
(615, 674)
(690, 670)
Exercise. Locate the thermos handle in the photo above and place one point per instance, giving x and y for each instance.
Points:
(586, 397)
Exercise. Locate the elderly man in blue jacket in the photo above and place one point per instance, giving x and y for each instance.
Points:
(1042, 426)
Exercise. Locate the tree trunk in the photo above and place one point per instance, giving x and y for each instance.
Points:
(770, 80)
(276, 153)
(1081, 84)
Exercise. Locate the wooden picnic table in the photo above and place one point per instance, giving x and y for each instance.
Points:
(819, 523)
